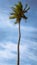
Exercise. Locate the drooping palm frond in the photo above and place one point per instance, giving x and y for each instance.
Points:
(13, 17)
(17, 20)
(24, 17)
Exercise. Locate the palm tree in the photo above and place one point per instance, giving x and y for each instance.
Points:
(18, 13)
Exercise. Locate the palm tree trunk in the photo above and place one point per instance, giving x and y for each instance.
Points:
(18, 50)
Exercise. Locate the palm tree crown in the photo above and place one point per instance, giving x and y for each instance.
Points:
(19, 12)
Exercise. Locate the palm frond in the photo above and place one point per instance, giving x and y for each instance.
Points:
(14, 9)
(15, 22)
(12, 17)
(24, 17)
(19, 6)
(12, 13)
(26, 6)
(25, 11)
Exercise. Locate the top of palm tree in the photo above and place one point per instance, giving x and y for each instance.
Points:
(19, 12)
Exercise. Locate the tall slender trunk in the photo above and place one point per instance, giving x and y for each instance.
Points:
(18, 50)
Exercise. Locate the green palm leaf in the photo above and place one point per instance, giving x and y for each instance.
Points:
(19, 6)
(25, 17)
(13, 17)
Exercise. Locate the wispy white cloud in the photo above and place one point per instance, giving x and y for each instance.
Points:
(26, 52)
(8, 47)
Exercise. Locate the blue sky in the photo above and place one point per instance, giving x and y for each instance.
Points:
(9, 35)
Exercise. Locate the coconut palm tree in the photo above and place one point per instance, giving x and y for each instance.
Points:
(18, 12)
